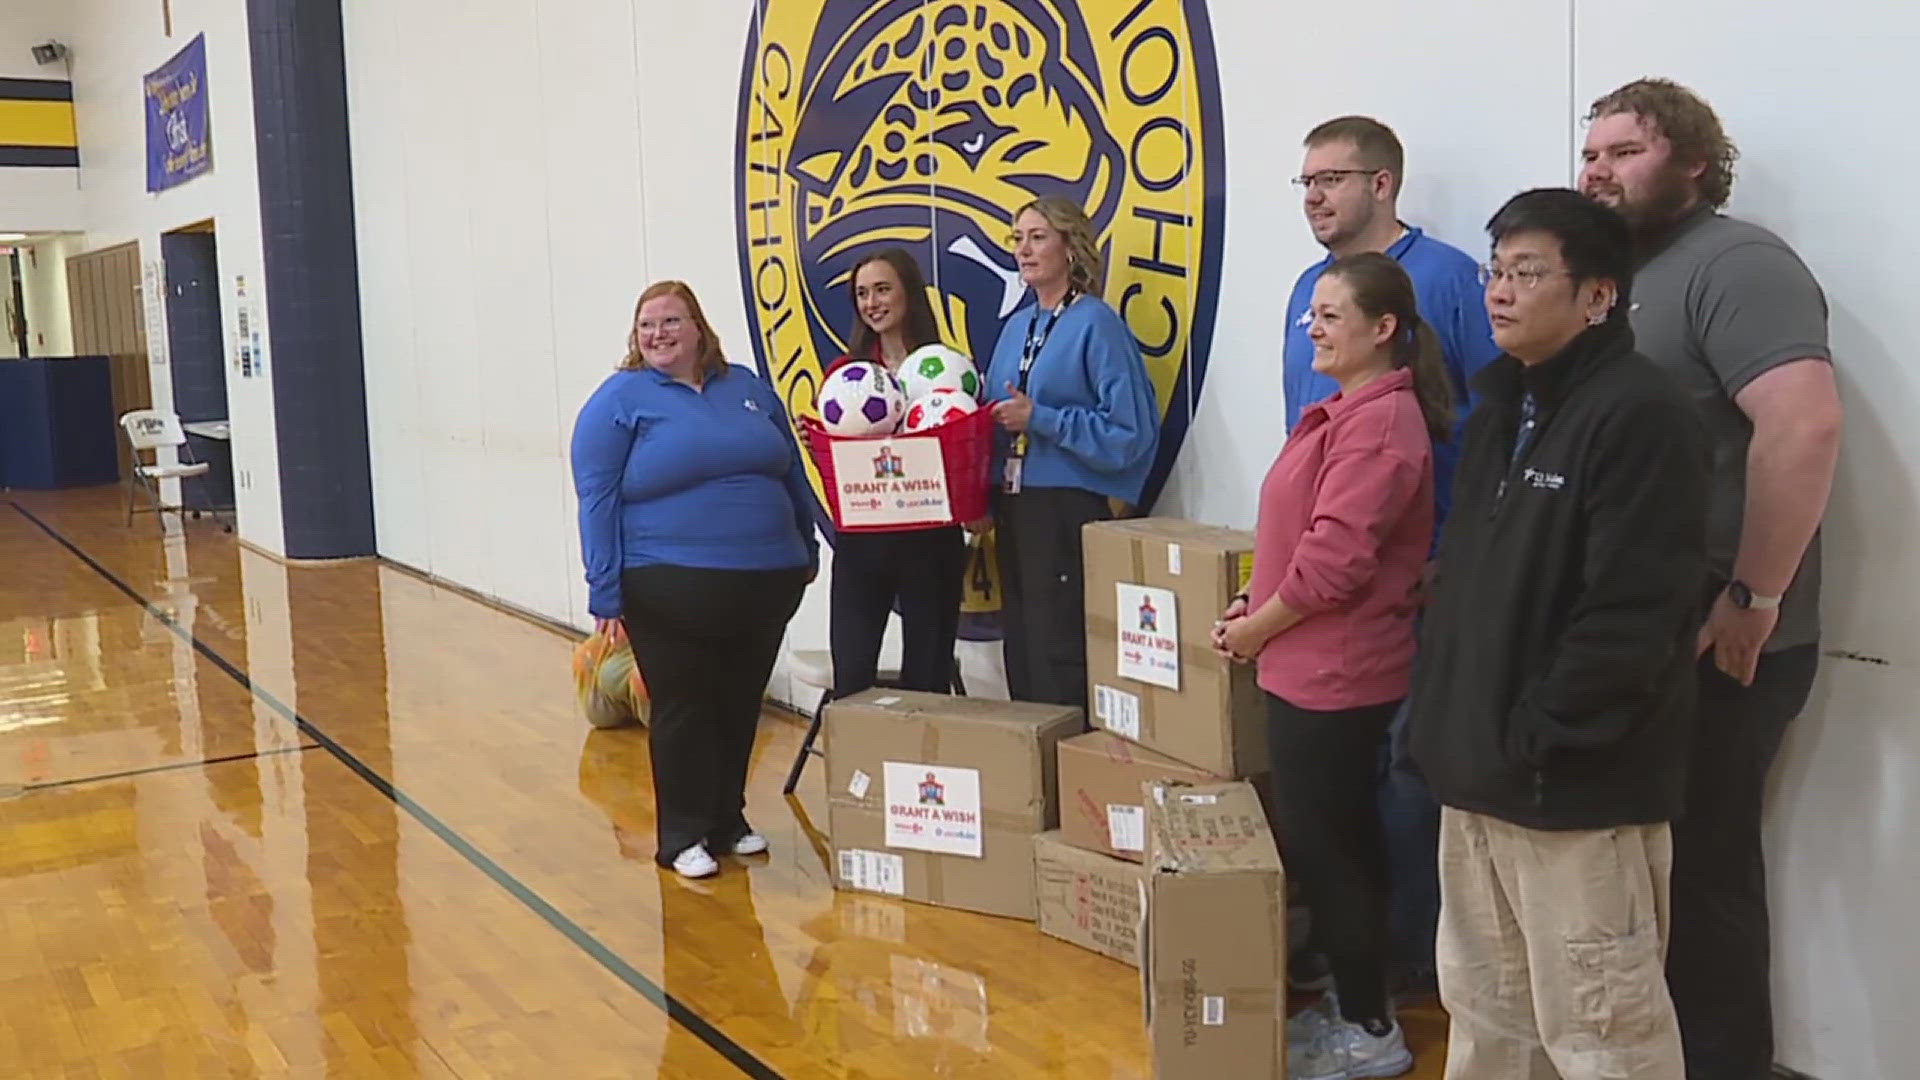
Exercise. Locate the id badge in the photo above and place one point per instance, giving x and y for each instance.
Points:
(1010, 481)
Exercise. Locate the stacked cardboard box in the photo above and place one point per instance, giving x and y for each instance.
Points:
(1087, 898)
(1169, 710)
(1101, 779)
(1154, 587)
(1213, 972)
(938, 799)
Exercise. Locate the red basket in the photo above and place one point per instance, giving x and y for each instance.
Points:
(966, 451)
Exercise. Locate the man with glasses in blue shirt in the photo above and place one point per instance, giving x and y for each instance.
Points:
(1351, 179)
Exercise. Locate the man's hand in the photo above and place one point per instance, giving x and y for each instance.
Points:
(1736, 636)
(1014, 413)
(979, 526)
(611, 629)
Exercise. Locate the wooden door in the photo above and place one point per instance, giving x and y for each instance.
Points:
(109, 319)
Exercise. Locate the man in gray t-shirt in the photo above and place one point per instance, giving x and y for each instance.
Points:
(1730, 311)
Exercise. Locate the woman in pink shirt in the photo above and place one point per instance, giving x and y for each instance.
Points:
(1346, 521)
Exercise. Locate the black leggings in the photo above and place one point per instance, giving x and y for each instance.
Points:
(922, 568)
(705, 642)
(1325, 770)
(1044, 611)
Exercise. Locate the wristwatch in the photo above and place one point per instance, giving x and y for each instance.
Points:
(1745, 599)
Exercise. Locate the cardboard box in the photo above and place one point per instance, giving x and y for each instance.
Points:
(1214, 970)
(1154, 587)
(1101, 779)
(1087, 898)
(938, 799)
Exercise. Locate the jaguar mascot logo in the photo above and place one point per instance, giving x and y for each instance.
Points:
(925, 124)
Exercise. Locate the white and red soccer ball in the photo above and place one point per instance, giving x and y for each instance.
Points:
(938, 408)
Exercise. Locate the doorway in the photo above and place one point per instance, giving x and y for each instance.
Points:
(196, 356)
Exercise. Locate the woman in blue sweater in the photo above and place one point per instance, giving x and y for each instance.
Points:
(1080, 427)
(697, 532)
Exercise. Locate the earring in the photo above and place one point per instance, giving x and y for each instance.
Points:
(1596, 320)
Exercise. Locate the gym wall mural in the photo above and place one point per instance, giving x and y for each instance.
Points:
(926, 124)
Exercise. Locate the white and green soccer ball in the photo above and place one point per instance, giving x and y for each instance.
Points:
(932, 368)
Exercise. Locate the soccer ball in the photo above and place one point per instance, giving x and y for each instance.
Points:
(936, 367)
(939, 407)
(862, 398)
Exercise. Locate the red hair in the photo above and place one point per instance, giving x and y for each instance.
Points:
(712, 360)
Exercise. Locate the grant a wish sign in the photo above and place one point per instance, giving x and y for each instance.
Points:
(179, 145)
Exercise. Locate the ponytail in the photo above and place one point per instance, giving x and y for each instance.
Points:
(1420, 350)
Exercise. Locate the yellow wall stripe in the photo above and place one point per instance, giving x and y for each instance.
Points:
(37, 123)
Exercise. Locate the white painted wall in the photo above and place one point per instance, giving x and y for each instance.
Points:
(503, 238)
(114, 45)
(36, 200)
(43, 284)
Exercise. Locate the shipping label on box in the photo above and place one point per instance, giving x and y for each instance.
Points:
(1213, 939)
(1088, 899)
(933, 808)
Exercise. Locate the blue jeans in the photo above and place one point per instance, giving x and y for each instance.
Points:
(1411, 819)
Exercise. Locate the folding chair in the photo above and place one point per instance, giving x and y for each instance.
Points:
(814, 668)
(150, 430)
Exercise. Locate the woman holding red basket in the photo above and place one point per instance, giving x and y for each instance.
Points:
(918, 569)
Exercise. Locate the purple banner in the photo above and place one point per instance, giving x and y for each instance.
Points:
(179, 144)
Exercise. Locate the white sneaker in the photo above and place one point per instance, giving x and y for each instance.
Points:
(751, 843)
(1344, 1051)
(695, 863)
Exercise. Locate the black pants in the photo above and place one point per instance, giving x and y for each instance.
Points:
(705, 642)
(1325, 773)
(1718, 965)
(1411, 817)
(922, 569)
(1043, 609)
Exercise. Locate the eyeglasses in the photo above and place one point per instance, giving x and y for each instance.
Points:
(1328, 179)
(668, 324)
(1525, 277)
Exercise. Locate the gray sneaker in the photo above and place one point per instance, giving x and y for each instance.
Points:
(1344, 1051)
(1305, 1026)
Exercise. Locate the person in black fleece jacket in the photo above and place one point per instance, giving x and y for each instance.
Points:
(1554, 692)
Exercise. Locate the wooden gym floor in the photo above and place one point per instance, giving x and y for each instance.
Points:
(334, 821)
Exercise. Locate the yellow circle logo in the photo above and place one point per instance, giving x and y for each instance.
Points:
(925, 124)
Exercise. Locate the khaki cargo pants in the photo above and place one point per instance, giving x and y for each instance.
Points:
(1552, 952)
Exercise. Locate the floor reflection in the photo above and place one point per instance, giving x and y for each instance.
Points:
(713, 939)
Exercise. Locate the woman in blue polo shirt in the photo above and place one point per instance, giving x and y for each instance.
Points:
(697, 533)
(1080, 427)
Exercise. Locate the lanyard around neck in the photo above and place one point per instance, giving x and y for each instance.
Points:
(1037, 335)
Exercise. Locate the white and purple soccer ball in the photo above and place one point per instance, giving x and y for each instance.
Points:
(862, 398)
